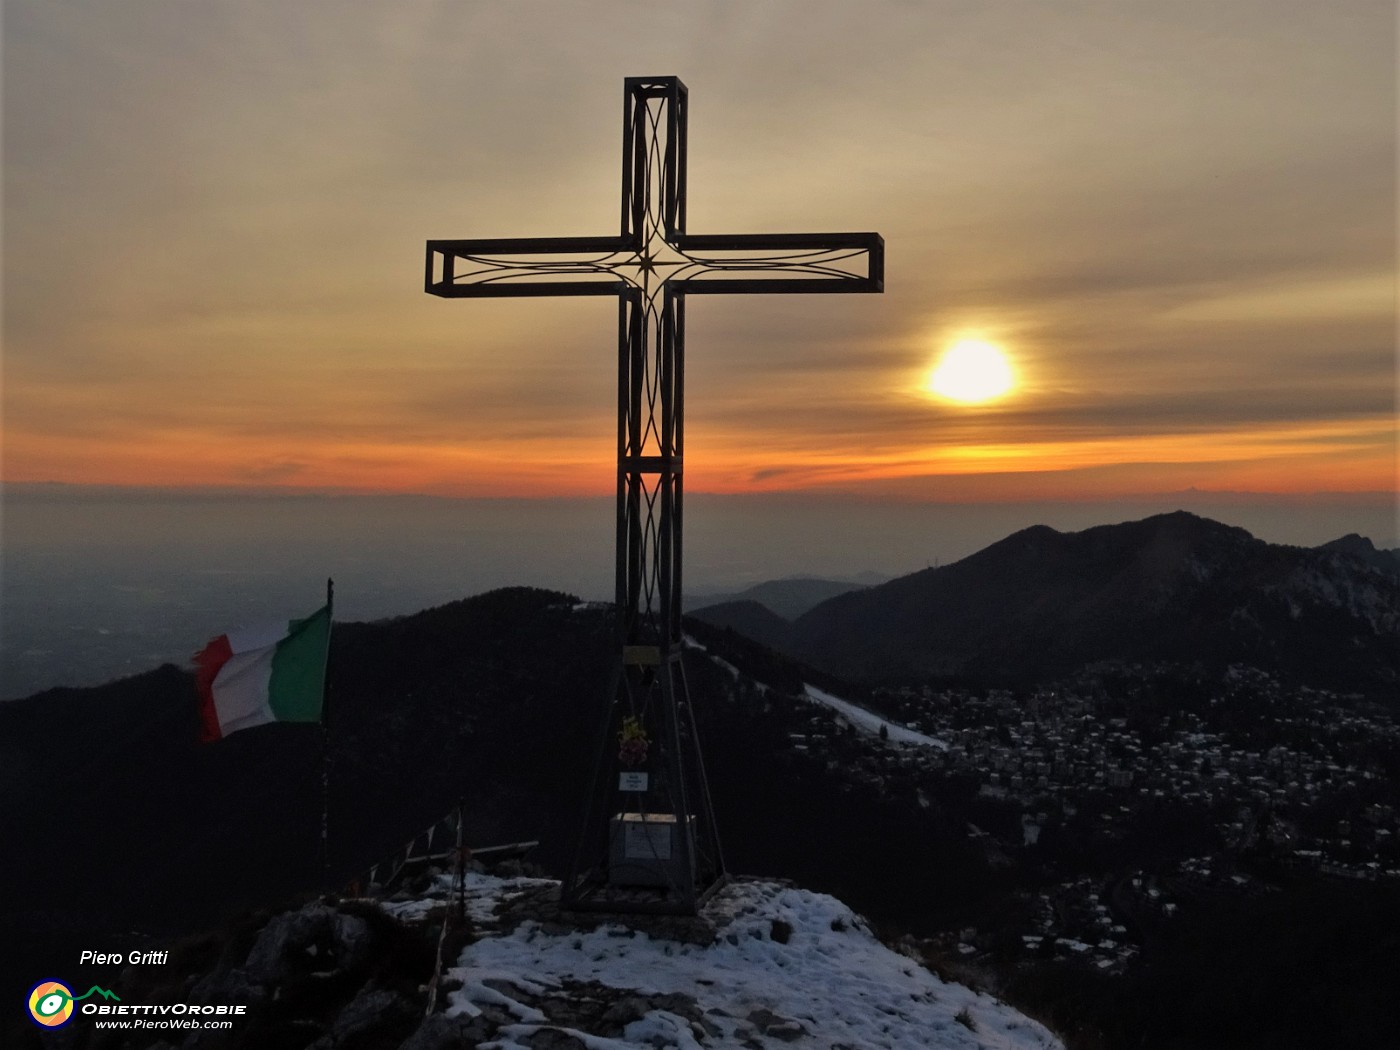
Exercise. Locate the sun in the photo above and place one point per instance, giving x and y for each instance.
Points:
(970, 372)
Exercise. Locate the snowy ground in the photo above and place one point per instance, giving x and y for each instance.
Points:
(868, 722)
(788, 968)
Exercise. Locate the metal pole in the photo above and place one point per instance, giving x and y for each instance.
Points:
(325, 751)
(461, 862)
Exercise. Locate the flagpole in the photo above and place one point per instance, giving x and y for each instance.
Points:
(325, 746)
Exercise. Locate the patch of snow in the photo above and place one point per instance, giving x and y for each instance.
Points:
(410, 911)
(662, 1028)
(830, 978)
(868, 722)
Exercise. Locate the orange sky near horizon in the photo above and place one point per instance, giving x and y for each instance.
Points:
(1178, 224)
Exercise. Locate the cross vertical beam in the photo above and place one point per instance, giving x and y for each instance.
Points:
(648, 840)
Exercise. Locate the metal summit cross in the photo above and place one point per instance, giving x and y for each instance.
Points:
(648, 841)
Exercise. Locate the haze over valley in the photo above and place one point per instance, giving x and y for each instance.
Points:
(101, 583)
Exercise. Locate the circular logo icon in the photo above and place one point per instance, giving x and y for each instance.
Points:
(50, 1004)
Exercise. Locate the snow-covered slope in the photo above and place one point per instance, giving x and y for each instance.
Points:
(870, 723)
(784, 968)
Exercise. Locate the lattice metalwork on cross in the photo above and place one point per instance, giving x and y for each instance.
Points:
(648, 841)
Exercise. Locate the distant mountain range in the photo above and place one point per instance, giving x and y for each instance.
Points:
(789, 597)
(1041, 603)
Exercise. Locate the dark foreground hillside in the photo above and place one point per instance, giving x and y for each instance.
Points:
(124, 832)
(127, 822)
(131, 832)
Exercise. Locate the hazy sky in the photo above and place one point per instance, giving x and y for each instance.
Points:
(1178, 219)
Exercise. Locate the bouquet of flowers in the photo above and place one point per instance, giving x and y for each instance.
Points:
(633, 743)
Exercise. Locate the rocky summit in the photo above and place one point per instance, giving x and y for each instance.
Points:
(766, 965)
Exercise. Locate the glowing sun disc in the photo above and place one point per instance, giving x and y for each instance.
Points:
(971, 371)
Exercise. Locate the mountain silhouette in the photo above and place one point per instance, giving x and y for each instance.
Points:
(752, 619)
(789, 598)
(1170, 588)
(1360, 547)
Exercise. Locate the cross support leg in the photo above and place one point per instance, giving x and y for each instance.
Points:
(648, 842)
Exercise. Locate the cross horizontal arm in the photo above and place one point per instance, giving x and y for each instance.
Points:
(782, 262)
(485, 267)
(687, 264)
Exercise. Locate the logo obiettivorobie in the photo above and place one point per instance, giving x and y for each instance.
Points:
(51, 1003)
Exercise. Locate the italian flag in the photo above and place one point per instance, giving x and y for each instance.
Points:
(257, 675)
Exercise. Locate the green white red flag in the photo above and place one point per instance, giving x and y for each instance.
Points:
(257, 675)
